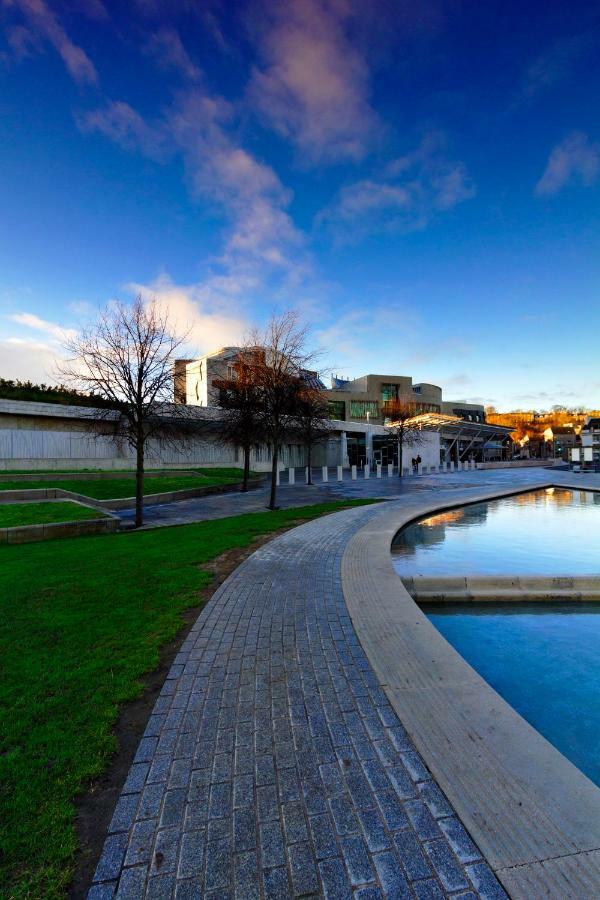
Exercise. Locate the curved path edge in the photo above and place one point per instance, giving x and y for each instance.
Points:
(533, 814)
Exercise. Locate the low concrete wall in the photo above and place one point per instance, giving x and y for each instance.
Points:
(521, 463)
(25, 534)
(93, 476)
(124, 502)
(510, 588)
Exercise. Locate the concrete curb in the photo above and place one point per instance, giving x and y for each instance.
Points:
(509, 588)
(25, 534)
(534, 815)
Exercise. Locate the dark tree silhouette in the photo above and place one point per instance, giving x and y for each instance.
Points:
(126, 358)
(312, 424)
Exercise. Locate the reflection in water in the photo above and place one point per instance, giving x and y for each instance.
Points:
(548, 532)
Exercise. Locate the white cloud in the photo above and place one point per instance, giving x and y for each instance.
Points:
(42, 24)
(29, 320)
(29, 360)
(312, 84)
(410, 192)
(210, 313)
(575, 159)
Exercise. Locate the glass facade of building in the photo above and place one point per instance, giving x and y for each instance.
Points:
(360, 408)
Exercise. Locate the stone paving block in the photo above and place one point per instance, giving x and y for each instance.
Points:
(111, 859)
(276, 884)
(132, 883)
(302, 867)
(422, 821)
(428, 890)
(411, 855)
(335, 880)
(141, 842)
(448, 869)
(124, 814)
(356, 857)
(247, 885)
(219, 865)
(459, 840)
(164, 858)
(343, 815)
(391, 876)
(191, 857)
(485, 882)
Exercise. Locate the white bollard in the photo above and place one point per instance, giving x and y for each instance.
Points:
(353, 473)
(379, 470)
(452, 465)
(472, 464)
(367, 470)
(390, 470)
(307, 475)
(448, 466)
(277, 477)
(340, 473)
(291, 475)
(325, 474)
(420, 469)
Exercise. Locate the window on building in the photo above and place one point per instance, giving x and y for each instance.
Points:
(389, 392)
(337, 409)
(360, 408)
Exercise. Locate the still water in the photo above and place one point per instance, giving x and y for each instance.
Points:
(549, 532)
(544, 659)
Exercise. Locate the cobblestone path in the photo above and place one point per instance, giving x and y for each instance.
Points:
(273, 765)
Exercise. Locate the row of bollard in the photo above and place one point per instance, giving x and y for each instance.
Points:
(422, 470)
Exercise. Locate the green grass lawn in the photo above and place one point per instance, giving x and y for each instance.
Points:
(81, 620)
(113, 488)
(13, 514)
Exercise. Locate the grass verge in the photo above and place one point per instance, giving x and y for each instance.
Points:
(81, 621)
(16, 514)
(114, 488)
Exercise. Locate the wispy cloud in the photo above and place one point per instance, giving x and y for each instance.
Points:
(41, 24)
(312, 83)
(575, 160)
(29, 320)
(407, 195)
(166, 46)
(122, 124)
(551, 67)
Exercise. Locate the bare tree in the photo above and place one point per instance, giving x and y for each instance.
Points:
(240, 398)
(283, 359)
(126, 358)
(312, 423)
(402, 425)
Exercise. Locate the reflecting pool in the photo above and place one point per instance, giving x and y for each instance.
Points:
(546, 532)
(544, 659)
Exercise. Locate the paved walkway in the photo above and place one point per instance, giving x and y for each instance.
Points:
(273, 764)
(219, 506)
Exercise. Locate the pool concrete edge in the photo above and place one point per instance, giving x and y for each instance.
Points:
(534, 815)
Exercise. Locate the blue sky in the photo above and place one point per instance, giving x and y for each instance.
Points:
(420, 179)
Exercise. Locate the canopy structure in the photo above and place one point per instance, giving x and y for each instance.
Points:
(462, 439)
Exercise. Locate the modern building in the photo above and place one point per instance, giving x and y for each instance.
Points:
(361, 407)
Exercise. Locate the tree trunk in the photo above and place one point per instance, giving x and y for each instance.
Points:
(139, 484)
(246, 468)
(400, 453)
(274, 466)
(310, 481)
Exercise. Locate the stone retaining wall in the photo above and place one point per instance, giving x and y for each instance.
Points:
(25, 534)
